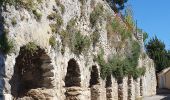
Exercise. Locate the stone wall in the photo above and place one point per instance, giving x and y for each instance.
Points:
(55, 65)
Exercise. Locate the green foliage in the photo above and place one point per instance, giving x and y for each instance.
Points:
(120, 67)
(74, 39)
(80, 43)
(104, 67)
(58, 22)
(125, 33)
(6, 44)
(96, 14)
(117, 27)
(128, 17)
(38, 15)
(117, 5)
(135, 53)
(155, 48)
(70, 25)
(52, 41)
(28, 4)
(137, 72)
(31, 47)
(66, 35)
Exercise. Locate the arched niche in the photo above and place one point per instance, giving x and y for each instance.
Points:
(94, 76)
(32, 70)
(73, 74)
(108, 81)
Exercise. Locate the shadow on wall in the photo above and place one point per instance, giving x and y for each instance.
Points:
(3, 76)
(73, 74)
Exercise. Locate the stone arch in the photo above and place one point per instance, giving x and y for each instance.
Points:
(32, 70)
(94, 80)
(73, 74)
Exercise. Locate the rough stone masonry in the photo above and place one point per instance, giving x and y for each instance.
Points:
(49, 74)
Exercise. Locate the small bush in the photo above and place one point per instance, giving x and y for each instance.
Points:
(6, 45)
(70, 25)
(120, 67)
(62, 9)
(37, 15)
(135, 53)
(80, 43)
(104, 67)
(52, 41)
(52, 16)
(58, 22)
(96, 14)
(138, 72)
(28, 4)
(31, 47)
(116, 27)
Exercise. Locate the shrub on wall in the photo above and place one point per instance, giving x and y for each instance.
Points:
(6, 44)
(96, 14)
(31, 47)
(120, 67)
(38, 15)
(58, 22)
(52, 41)
(80, 43)
(28, 4)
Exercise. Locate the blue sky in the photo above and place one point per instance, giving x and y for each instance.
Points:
(153, 16)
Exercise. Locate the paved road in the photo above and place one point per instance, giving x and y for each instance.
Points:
(158, 97)
(163, 94)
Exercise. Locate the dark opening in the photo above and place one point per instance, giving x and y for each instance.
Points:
(141, 87)
(108, 81)
(120, 88)
(108, 87)
(129, 82)
(28, 73)
(73, 74)
(94, 76)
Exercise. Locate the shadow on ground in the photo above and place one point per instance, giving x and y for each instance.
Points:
(165, 93)
(162, 94)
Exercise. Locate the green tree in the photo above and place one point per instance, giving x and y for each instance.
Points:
(117, 5)
(155, 48)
